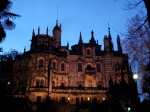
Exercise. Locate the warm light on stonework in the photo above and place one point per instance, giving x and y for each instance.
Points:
(103, 98)
(68, 98)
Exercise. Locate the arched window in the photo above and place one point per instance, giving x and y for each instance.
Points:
(37, 83)
(62, 67)
(62, 86)
(40, 63)
(99, 86)
(88, 67)
(42, 83)
(53, 83)
(54, 65)
(79, 66)
(80, 86)
(88, 52)
(98, 67)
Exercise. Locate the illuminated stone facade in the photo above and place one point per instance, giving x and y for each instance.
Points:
(80, 74)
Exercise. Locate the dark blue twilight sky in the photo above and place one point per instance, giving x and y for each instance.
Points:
(74, 16)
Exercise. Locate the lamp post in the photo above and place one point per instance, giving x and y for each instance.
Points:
(135, 99)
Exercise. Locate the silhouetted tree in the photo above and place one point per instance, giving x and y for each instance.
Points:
(137, 44)
(132, 4)
(146, 85)
(15, 69)
(147, 4)
(9, 103)
(5, 16)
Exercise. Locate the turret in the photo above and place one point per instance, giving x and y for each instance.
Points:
(111, 47)
(92, 38)
(108, 45)
(57, 34)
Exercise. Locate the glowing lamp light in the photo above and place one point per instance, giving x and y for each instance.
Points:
(68, 98)
(88, 98)
(129, 108)
(103, 99)
(135, 76)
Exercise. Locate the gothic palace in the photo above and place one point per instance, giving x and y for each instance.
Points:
(80, 74)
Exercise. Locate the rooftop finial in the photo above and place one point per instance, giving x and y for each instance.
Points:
(108, 29)
(57, 22)
(92, 34)
(57, 16)
(47, 30)
(80, 35)
(57, 11)
(33, 34)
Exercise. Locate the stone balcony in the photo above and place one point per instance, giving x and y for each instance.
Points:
(90, 71)
(38, 89)
(77, 90)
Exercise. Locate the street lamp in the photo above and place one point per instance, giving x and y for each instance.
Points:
(135, 76)
(135, 91)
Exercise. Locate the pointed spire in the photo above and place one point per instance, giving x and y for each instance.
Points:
(119, 44)
(38, 30)
(24, 49)
(80, 36)
(47, 31)
(111, 47)
(33, 34)
(68, 45)
(57, 22)
(80, 39)
(109, 31)
(60, 25)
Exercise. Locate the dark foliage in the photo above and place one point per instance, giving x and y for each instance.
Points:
(5, 15)
(9, 103)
